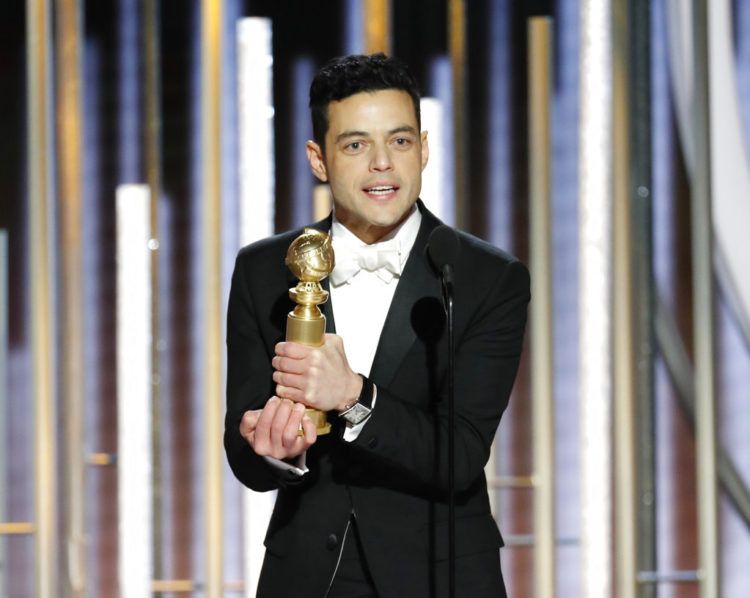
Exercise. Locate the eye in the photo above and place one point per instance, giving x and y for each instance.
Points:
(402, 141)
(353, 147)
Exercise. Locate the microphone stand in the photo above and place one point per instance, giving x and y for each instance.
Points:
(443, 248)
(447, 277)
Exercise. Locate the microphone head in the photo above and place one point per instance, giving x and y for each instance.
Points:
(443, 246)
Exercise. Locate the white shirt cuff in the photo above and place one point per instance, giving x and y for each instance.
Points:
(299, 468)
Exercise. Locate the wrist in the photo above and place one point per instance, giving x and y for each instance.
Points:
(351, 396)
(361, 408)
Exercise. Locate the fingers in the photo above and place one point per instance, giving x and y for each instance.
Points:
(262, 441)
(274, 431)
(287, 379)
(293, 350)
(309, 431)
(292, 386)
(279, 424)
(290, 433)
(288, 364)
(248, 424)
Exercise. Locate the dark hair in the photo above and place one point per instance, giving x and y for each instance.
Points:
(347, 75)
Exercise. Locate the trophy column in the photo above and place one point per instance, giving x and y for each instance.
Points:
(310, 258)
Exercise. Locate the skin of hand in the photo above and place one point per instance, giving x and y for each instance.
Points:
(319, 377)
(273, 430)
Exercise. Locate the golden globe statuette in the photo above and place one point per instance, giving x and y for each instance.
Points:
(310, 258)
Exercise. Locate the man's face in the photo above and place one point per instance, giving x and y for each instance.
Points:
(373, 160)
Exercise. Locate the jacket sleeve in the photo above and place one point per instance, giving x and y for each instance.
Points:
(249, 386)
(409, 438)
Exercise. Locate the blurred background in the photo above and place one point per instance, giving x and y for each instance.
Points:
(604, 143)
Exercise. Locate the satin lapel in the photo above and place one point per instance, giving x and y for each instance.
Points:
(327, 308)
(417, 282)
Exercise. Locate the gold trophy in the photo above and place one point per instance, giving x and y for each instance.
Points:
(310, 258)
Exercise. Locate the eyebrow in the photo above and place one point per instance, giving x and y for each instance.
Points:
(401, 129)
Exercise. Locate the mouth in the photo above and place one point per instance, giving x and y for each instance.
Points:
(381, 190)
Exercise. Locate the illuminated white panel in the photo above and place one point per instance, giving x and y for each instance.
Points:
(134, 451)
(595, 222)
(257, 197)
(433, 177)
(256, 144)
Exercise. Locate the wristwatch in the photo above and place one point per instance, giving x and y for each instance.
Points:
(360, 409)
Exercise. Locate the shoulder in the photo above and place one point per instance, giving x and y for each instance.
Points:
(271, 251)
(482, 266)
(270, 246)
(479, 255)
(473, 248)
(474, 253)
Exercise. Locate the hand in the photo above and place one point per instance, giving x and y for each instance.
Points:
(273, 430)
(319, 377)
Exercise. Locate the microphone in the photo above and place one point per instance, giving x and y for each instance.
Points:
(443, 248)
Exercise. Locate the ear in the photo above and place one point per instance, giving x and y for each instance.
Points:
(317, 162)
(425, 149)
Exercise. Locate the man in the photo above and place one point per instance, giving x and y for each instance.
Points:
(362, 511)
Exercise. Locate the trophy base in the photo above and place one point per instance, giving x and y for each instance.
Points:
(322, 426)
(306, 332)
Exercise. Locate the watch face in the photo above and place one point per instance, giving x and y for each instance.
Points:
(357, 414)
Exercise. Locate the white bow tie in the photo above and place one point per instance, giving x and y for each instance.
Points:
(381, 258)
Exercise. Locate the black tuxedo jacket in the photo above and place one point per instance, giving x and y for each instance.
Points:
(394, 475)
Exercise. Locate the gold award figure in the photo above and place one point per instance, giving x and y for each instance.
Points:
(310, 258)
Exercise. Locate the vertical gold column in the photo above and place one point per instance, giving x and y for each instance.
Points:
(377, 26)
(540, 79)
(152, 154)
(211, 30)
(39, 97)
(703, 313)
(624, 396)
(69, 131)
(457, 44)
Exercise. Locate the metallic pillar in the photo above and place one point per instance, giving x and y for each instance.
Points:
(213, 326)
(152, 156)
(377, 23)
(542, 372)
(595, 296)
(457, 45)
(40, 152)
(70, 189)
(703, 312)
(624, 396)
(681, 374)
(644, 341)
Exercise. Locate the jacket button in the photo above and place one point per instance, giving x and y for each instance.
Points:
(332, 542)
(372, 442)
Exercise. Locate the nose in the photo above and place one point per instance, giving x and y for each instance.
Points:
(381, 158)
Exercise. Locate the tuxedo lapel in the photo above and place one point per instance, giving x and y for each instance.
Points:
(327, 307)
(418, 281)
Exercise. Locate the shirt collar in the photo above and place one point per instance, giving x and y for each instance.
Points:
(405, 234)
